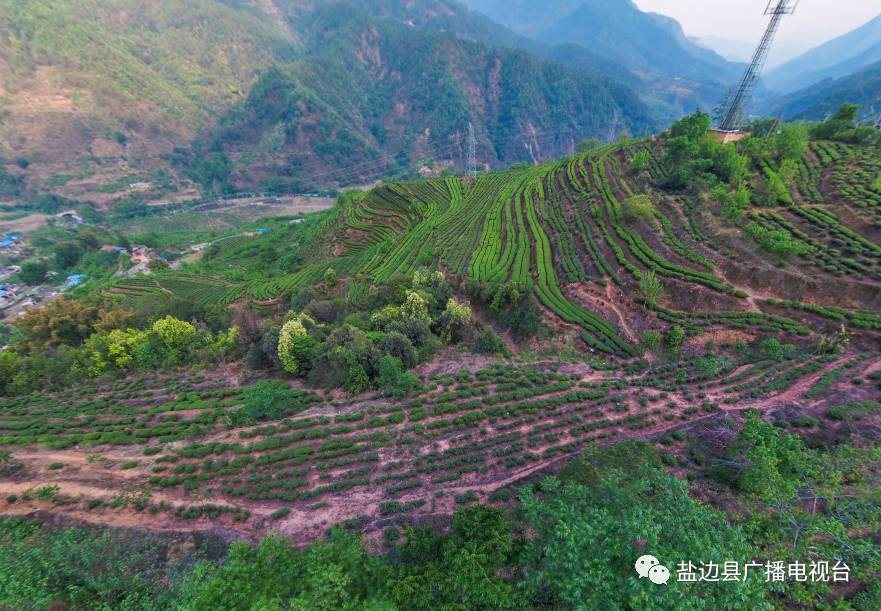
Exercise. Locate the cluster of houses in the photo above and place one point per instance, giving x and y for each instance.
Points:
(9, 294)
(11, 244)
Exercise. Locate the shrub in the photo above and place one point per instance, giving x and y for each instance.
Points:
(269, 400)
(650, 287)
(855, 410)
(675, 337)
(487, 341)
(279, 514)
(502, 495)
(639, 208)
(392, 380)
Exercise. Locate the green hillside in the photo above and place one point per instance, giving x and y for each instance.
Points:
(130, 66)
(98, 91)
(682, 233)
(545, 358)
(819, 101)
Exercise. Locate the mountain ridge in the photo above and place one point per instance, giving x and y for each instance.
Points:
(836, 58)
(176, 68)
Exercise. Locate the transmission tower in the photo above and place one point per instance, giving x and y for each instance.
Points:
(734, 109)
(471, 166)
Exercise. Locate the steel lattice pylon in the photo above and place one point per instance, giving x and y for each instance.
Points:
(735, 106)
(471, 165)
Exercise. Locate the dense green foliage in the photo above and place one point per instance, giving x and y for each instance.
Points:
(586, 529)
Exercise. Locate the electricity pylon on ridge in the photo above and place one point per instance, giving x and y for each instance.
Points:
(471, 165)
(734, 109)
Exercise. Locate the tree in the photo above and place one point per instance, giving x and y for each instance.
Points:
(415, 307)
(398, 345)
(847, 113)
(67, 254)
(33, 272)
(123, 346)
(456, 318)
(61, 321)
(522, 317)
(295, 345)
(389, 376)
(692, 127)
(792, 141)
(584, 541)
(774, 463)
(330, 277)
(176, 335)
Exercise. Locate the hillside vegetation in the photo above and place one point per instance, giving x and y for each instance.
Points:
(311, 123)
(428, 352)
(76, 73)
(819, 101)
(93, 93)
(585, 234)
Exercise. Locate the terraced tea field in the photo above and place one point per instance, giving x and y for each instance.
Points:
(562, 232)
(170, 452)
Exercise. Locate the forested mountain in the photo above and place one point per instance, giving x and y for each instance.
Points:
(617, 30)
(96, 94)
(371, 95)
(820, 100)
(837, 58)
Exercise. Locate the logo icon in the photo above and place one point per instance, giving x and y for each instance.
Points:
(659, 574)
(649, 566)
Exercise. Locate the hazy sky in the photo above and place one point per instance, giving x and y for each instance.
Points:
(814, 22)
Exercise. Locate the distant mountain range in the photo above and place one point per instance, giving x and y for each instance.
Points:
(742, 51)
(617, 30)
(822, 99)
(835, 59)
(97, 95)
